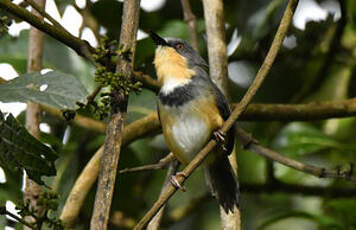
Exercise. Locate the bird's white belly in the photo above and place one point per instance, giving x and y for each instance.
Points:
(190, 134)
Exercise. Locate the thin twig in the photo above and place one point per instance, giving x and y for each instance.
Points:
(147, 81)
(91, 97)
(44, 14)
(272, 53)
(160, 165)
(249, 143)
(191, 20)
(21, 220)
(156, 220)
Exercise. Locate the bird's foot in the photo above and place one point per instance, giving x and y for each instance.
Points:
(175, 182)
(219, 136)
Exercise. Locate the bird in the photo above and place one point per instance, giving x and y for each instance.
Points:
(191, 110)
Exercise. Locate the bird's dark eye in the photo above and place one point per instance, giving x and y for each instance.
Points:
(180, 46)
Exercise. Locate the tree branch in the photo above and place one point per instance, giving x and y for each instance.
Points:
(254, 112)
(21, 220)
(272, 53)
(79, 120)
(115, 128)
(215, 28)
(88, 176)
(191, 21)
(161, 164)
(251, 144)
(147, 81)
(34, 64)
(156, 220)
(78, 45)
(43, 13)
(300, 112)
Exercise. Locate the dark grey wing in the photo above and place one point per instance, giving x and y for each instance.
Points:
(225, 113)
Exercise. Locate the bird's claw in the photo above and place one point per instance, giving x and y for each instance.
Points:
(174, 181)
(219, 136)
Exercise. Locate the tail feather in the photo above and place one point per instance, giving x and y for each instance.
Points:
(223, 183)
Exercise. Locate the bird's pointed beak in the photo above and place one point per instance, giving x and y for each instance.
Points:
(159, 41)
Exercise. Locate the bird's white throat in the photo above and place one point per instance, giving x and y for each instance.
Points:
(170, 83)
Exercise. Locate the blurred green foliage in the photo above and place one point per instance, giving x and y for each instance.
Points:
(316, 64)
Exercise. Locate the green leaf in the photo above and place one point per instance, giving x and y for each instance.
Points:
(299, 138)
(63, 90)
(11, 189)
(20, 150)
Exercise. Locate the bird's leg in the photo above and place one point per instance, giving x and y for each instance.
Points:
(175, 181)
(219, 136)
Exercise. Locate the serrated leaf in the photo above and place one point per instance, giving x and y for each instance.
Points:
(54, 89)
(20, 150)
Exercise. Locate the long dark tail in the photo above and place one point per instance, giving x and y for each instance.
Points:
(222, 182)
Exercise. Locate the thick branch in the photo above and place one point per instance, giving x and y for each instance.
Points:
(215, 27)
(115, 128)
(300, 112)
(254, 112)
(272, 53)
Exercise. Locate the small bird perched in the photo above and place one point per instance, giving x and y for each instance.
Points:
(191, 109)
